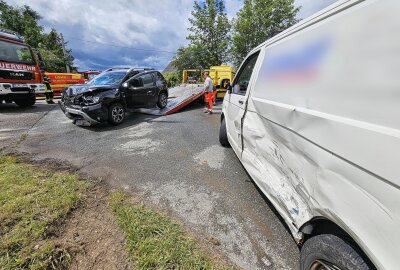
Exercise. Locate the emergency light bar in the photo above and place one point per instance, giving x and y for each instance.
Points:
(11, 35)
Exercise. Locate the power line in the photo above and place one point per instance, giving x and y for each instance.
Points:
(114, 45)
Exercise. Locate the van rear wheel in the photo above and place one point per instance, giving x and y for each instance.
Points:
(223, 136)
(330, 252)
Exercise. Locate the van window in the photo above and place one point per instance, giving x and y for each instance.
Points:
(242, 80)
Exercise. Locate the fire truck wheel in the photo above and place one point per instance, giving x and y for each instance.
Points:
(26, 101)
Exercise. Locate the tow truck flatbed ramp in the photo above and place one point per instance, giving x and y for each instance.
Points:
(178, 97)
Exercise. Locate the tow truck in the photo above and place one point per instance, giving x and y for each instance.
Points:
(191, 88)
(21, 70)
(221, 75)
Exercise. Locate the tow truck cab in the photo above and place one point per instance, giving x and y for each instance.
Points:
(20, 70)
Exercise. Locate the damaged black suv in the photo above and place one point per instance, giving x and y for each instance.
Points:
(110, 94)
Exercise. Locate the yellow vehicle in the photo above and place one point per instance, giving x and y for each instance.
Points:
(221, 75)
(192, 76)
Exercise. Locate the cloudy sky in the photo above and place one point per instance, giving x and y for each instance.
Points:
(105, 33)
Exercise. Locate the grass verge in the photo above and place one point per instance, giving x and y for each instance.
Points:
(154, 240)
(34, 202)
(31, 201)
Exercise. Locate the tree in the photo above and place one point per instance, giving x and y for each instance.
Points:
(22, 21)
(25, 22)
(209, 37)
(173, 79)
(191, 57)
(257, 21)
(51, 48)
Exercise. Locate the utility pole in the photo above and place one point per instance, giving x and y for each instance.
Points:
(65, 54)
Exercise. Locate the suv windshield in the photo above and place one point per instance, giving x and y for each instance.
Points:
(108, 78)
(15, 53)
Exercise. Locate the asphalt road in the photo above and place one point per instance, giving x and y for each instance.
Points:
(173, 162)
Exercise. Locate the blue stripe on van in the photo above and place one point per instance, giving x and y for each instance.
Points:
(302, 61)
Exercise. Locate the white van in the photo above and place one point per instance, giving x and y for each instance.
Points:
(313, 114)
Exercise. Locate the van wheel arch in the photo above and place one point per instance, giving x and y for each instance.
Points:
(321, 225)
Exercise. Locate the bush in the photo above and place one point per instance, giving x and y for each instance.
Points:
(173, 79)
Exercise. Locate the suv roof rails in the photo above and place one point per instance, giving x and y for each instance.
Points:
(128, 68)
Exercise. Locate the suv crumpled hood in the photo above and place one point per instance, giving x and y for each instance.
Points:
(74, 95)
(81, 89)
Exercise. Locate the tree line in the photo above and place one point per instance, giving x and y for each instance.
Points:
(25, 22)
(214, 39)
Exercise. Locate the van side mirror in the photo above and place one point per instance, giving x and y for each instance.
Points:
(229, 89)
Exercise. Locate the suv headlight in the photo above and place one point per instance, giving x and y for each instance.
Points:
(91, 99)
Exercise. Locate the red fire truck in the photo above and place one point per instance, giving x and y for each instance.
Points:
(20, 70)
(59, 81)
(90, 74)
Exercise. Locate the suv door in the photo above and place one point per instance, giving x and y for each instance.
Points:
(140, 89)
(161, 85)
(235, 110)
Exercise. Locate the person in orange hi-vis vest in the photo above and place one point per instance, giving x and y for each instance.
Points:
(208, 92)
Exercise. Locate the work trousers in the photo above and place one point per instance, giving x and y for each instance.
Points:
(215, 96)
(209, 100)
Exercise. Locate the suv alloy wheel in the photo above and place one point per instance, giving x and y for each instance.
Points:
(116, 114)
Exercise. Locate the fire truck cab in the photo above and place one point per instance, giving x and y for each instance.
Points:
(20, 71)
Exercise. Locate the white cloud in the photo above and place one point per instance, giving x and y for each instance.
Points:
(153, 25)
(232, 7)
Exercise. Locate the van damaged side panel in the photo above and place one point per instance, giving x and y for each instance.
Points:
(297, 172)
(321, 135)
(279, 169)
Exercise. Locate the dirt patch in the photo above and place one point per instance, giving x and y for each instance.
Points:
(87, 237)
(91, 235)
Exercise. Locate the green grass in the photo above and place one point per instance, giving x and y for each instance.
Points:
(155, 241)
(31, 201)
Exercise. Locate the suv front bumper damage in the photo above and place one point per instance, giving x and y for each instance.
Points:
(84, 115)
